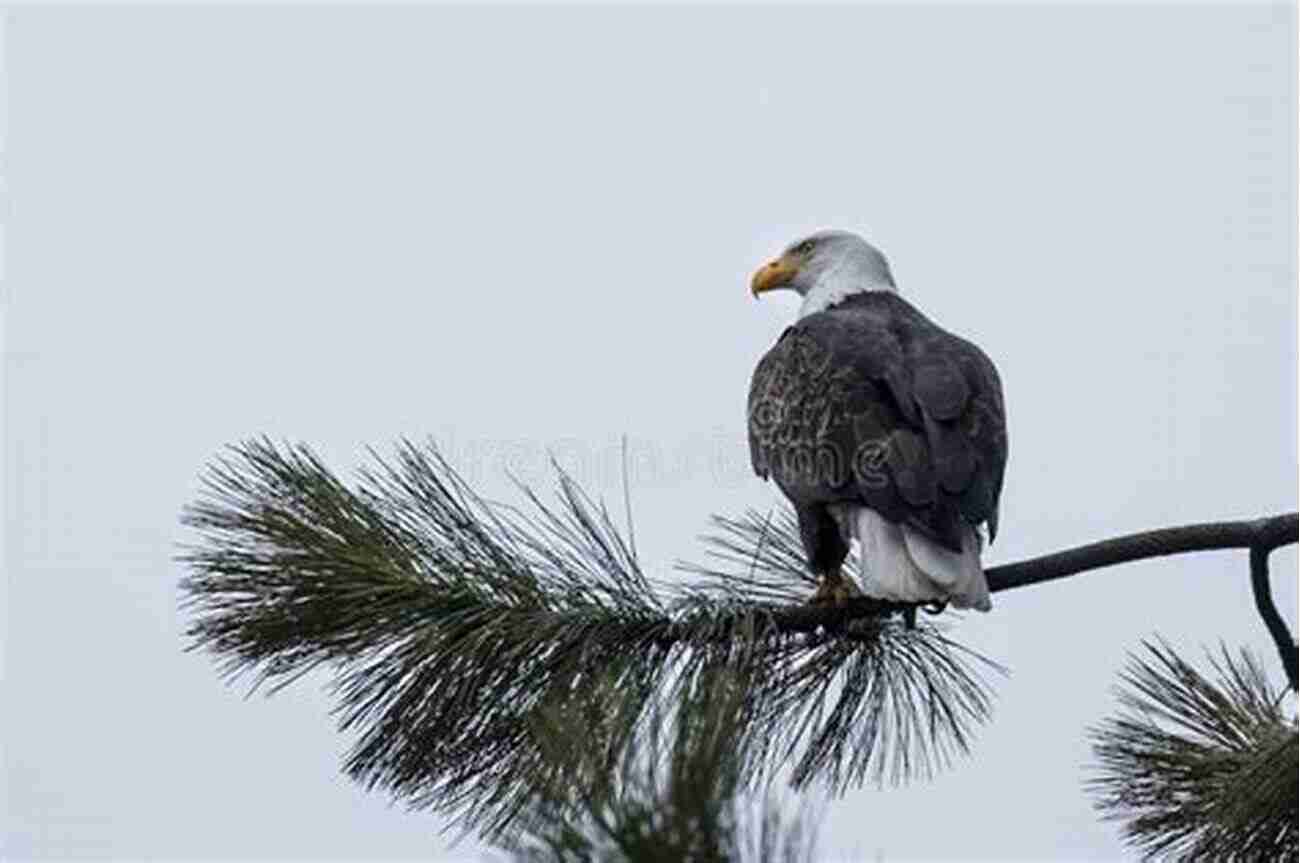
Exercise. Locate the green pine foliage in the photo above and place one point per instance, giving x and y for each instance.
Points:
(515, 669)
(1199, 767)
(452, 627)
(680, 797)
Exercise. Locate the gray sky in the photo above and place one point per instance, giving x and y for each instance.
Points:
(527, 229)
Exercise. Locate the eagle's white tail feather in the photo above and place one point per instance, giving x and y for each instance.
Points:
(958, 575)
(886, 569)
(901, 564)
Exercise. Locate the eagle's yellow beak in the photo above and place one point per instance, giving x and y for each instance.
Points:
(773, 275)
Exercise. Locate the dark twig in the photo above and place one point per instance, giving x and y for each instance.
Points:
(1266, 533)
(783, 568)
(1277, 627)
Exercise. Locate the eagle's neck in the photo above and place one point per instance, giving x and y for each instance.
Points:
(837, 285)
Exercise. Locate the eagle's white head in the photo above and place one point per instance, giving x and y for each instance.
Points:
(824, 268)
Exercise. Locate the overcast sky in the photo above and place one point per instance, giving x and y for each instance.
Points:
(530, 230)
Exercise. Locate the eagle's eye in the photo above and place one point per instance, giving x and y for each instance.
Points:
(805, 247)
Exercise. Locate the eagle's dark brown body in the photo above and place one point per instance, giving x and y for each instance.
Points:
(870, 403)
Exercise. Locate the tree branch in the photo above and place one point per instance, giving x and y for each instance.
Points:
(453, 626)
(1277, 627)
(1265, 534)
(453, 623)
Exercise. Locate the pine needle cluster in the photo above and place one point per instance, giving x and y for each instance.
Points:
(680, 797)
(455, 630)
(1198, 767)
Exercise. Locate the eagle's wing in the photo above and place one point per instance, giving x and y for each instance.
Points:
(869, 402)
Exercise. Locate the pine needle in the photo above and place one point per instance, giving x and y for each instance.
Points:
(451, 626)
(1199, 768)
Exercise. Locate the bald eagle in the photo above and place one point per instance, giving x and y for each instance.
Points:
(879, 426)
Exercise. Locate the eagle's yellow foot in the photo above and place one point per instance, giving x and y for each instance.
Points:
(835, 589)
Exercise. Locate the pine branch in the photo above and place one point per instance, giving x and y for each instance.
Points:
(762, 553)
(1266, 533)
(452, 625)
(1196, 768)
(1263, 593)
(679, 798)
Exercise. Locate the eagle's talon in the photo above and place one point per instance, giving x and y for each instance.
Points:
(835, 589)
